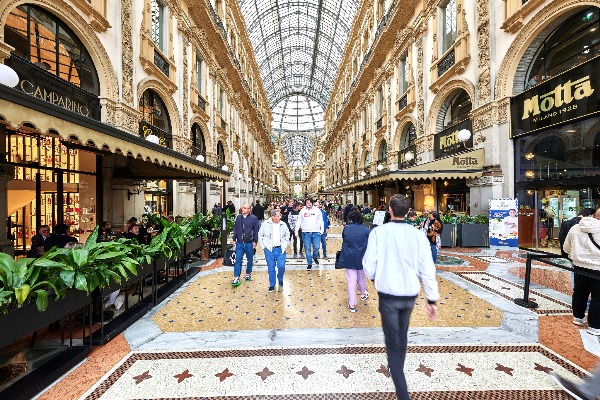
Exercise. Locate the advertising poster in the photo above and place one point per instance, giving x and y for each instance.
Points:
(504, 222)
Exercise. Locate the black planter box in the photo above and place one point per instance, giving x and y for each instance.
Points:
(473, 235)
(28, 319)
(448, 236)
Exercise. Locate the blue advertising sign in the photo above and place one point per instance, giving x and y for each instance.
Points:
(504, 222)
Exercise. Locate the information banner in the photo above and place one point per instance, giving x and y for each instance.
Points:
(504, 222)
(378, 218)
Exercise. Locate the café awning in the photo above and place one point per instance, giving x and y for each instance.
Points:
(463, 165)
(18, 108)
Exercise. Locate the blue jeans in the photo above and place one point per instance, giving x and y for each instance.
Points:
(395, 314)
(311, 239)
(240, 250)
(433, 252)
(324, 243)
(275, 258)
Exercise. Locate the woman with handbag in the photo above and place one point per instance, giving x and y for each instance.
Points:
(355, 237)
(434, 230)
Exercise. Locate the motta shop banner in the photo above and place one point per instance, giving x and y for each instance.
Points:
(504, 222)
(573, 94)
(446, 142)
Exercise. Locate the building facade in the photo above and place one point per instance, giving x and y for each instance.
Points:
(124, 108)
(427, 93)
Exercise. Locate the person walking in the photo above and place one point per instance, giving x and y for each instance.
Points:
(274, 237)
(347, 210)
(325, 228)
(310, 220)
(259, 212)
(397, 259)
(245, 236)
(354, 244)
(292, 219)
(566, 226)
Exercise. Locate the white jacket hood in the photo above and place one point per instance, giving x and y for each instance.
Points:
(590, 225)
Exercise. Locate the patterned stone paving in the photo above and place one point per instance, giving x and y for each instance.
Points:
(350, 372)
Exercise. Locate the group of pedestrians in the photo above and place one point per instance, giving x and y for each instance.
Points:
(394, 256)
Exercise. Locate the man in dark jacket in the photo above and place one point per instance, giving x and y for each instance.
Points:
(245, 236)
(347, 210)
(37, 242)
(259, 212)
(231, 208)
(567, 225)
(60, 237)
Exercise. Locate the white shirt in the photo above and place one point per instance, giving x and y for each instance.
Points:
(397, 256)
(276, 235)
(310, 220)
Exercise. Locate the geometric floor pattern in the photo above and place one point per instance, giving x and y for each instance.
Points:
(510, 291)
(341, 372)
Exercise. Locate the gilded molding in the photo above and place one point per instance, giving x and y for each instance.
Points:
(484, 84)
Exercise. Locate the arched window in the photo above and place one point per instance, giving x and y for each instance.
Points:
(575, 41)
(382, 154)
(199, 147)
(48, 43)
(220, 154)
(458, 109)
(408, 136)
(154, 111)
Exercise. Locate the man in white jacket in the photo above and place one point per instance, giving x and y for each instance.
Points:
(397, 257)
(583, 246)
(274, 237)
(310, 220)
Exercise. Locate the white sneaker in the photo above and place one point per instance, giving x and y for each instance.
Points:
(579, 321)
(594, 331)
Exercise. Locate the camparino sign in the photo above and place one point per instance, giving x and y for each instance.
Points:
(571, 95)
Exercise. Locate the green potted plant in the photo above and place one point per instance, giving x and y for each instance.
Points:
(473, 231)
(368, 219)
(448, 236)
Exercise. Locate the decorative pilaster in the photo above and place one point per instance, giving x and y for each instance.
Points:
(186, 89)
(7, 173)
(484, 83)
(127, 51)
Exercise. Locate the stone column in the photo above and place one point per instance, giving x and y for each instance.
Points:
(6, 174)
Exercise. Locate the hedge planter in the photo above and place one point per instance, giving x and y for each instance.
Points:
(448, 236)
(27, 319)
(473, 235)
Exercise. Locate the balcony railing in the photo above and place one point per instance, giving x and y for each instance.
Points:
(446, 63)
(161, 63)
(164, 138)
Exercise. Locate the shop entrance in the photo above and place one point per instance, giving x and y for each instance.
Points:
(543, 210)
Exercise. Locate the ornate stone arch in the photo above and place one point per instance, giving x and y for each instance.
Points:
(442, 100)
(167, 98)
(107, 77)
(405, 120)
(545, 19)
(210, 148)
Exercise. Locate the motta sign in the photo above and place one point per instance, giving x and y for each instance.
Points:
(465, 162)
(571, 95)
(447, 143)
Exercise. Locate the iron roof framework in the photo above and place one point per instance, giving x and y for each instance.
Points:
(298, 46)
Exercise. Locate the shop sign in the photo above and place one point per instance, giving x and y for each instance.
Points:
(471, 160)
(570, 95)
(504, 222)
(447, 143)
(45, 86)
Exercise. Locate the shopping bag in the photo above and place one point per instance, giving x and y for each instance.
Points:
(337, 259)
(229, 259)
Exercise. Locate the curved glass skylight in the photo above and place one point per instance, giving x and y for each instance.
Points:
(297, 113)
(297, 149)
(298, 44)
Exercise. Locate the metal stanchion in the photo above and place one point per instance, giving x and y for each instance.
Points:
(525, 302)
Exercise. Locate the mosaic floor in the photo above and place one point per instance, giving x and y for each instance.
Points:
(483, 372)
(212, 340)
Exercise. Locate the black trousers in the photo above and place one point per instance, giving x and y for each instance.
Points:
(395, 314)
(583, 286)
(295, 239)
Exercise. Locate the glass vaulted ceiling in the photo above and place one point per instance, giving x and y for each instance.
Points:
(298, 46)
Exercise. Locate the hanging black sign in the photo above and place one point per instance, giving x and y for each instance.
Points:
(570, 95)
(446, 142)
(403, 160)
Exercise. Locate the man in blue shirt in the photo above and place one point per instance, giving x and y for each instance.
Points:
(325, 229)
(245, 236)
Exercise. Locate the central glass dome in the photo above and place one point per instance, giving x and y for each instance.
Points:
(298, 113)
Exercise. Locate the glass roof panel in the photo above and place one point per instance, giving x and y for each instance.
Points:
(298, 44)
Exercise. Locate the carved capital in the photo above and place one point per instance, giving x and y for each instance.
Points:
(5, 50)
